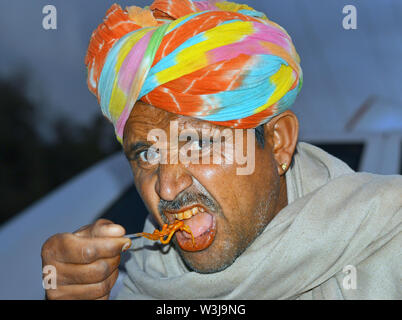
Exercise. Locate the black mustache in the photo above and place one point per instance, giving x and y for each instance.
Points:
(186, 199)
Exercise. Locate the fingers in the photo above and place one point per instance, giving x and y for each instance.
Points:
(108, 230)
(81, 231)
(100, 290)
(98, 271)
(101, 228)
(68, 248)
(86, 261)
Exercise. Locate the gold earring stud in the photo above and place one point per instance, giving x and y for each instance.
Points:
(284, 166)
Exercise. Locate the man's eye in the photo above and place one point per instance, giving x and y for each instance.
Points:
(149, 156)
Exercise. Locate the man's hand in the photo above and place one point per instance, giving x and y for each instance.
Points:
(86, 261)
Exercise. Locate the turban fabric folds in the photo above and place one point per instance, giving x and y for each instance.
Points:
(212, 60)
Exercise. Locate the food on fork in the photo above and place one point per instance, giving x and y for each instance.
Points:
(167, 230)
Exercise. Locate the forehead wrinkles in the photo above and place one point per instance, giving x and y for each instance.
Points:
(141, 124)
(145, 118)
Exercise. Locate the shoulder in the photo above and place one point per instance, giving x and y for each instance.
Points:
(377, 190)
(377, 183)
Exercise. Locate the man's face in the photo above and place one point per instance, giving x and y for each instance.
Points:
(228, 210)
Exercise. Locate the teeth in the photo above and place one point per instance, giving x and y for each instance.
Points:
(188, 213)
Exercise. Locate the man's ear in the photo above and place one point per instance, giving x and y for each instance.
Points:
(283, 132)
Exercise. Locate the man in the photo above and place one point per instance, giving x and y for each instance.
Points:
(288, 221)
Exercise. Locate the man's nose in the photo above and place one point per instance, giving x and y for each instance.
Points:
(172, 179)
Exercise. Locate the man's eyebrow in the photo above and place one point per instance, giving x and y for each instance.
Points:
(133, 147)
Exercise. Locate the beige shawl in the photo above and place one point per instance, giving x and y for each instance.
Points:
(336, 220)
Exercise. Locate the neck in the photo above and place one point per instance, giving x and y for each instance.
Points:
(283, 195)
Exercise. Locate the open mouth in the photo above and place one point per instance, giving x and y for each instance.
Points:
(201, 222)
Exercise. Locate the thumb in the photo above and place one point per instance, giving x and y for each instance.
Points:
(108, 230)
(112, 230)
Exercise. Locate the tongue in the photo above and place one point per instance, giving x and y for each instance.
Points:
(198, 224)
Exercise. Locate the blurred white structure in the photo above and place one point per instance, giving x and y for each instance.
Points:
(377, 114)
(377, 124)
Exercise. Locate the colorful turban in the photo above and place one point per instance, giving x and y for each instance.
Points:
(216, 61)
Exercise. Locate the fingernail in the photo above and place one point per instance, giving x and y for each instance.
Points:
(126, 246)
